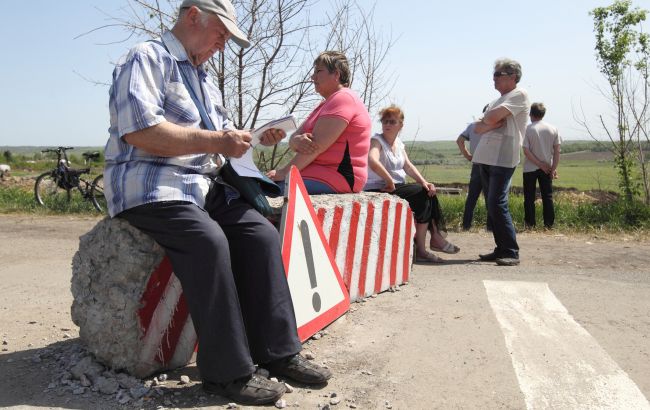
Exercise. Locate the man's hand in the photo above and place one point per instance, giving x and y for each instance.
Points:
(545, 167)
(303, 144)
(272, 136)
(235, 143)
(554, 174)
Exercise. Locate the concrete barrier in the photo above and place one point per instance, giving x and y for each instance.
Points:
(370, 235)
(127, 302)
(129, 306)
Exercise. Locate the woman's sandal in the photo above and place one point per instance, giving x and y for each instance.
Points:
(448, 248)
(428, 259)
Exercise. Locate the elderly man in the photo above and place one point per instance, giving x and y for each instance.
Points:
(542, 152)
(502, 130)
(162, 177)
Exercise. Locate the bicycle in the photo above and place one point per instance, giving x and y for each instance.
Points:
(55, 187)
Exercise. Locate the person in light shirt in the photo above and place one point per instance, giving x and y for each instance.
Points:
(502, 130)
(389, 165)
(542, 152)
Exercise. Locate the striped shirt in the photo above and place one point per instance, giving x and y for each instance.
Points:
(147, 90)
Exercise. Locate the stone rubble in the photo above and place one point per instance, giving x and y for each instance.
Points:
(77, 373)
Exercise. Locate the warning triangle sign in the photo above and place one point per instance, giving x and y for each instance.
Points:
(317, 289)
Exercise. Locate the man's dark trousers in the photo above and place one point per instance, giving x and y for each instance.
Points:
(473, 192)
(229, 263)
(545, 190)
(497, 180)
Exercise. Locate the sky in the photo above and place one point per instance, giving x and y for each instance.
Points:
(55, 88)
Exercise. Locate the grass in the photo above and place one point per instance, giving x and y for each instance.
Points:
(585, 167)
(570, 215)
(579, 175)
(21, 200)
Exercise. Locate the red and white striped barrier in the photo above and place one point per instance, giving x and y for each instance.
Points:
(168, 335)
(136, 318)
(372, 243)
(372, 240)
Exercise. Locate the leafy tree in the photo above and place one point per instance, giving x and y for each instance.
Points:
(619, 40)
(8, 156)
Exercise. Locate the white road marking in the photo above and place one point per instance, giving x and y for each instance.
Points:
(559, 365)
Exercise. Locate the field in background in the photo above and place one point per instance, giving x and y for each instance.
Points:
(584, 166)
(588, 169)
(586, 194)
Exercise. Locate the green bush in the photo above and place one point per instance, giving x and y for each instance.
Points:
(612, 216)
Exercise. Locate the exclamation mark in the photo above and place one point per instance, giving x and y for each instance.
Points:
(309, 257)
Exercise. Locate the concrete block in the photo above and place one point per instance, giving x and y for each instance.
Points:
(129, 306)
(127, 302)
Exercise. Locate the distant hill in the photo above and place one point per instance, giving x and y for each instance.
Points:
(30, 150)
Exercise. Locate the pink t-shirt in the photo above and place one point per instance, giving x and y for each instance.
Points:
(344, 165)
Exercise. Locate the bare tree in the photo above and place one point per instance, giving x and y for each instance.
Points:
(272, 77)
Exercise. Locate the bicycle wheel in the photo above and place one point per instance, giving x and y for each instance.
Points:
(47, 191)
(97, 194)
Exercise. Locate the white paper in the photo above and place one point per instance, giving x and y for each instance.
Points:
(287, 124)
(245, 166)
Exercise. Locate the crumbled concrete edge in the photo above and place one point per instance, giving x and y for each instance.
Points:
(333, 200)
(108, 278)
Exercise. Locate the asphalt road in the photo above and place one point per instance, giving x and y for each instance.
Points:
(568, 328)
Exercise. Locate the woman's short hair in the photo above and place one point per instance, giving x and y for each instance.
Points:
(335, 60)
(391, 111)
(537, 110)
(509, 66)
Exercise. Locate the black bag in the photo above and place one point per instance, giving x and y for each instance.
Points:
(252, 190)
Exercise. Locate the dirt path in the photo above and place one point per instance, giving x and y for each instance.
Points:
(434, 344)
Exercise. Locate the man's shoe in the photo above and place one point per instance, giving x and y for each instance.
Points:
(507, 261)
(253, 389)
(488, 257)
(299, 369)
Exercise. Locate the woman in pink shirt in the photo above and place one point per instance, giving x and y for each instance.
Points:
(332, 144)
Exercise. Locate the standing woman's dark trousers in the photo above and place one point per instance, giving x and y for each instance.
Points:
(426, 209)
(229, 263)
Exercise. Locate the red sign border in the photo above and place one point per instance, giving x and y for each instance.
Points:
(310, 328)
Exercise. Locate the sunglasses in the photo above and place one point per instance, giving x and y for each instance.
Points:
(501, 74)
(389, 122)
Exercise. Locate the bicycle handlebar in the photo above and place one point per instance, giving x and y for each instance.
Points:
(59, 149)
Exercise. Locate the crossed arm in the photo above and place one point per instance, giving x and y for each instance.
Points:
(492, 119)
(308, 146)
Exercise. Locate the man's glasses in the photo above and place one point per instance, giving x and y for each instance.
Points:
(389, 122)
(501, 73)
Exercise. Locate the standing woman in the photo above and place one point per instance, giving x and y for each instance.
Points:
(332, 144)
(389, 164)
